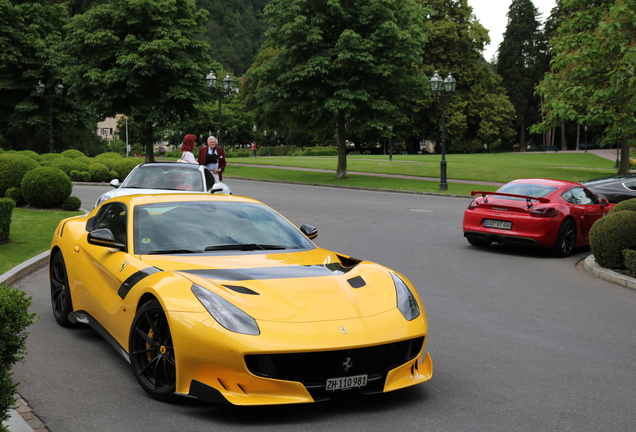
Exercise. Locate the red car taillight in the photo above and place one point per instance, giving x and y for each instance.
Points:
(548, 212)
(472, 205)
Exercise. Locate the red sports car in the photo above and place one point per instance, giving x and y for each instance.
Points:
(553, 214)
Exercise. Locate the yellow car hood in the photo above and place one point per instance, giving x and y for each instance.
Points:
(311, 286)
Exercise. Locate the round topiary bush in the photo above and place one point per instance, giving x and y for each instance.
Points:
(610, 235)
(99, 172)
(16, 195)
(125, 166)
(85, 159)
(72, 153)
(46, 187)
(79, 165)
(627, 205)
(30, 153)
(64, 164)
(72, 203)
(13, 167)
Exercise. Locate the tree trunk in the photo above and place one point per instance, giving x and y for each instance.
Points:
(564, 145)
(522, 135)
(341, 171)
(150, 151)
(623, 167)
(578, 135)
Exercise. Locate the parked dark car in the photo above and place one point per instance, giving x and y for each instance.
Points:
(614, 189)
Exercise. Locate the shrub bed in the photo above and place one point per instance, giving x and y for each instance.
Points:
(46, 187)
(13, 167)
(14, 319)
(6, 209)
(627, 205)
(610, 235)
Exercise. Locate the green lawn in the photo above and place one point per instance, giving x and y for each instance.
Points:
(30, 234)
(497, 167)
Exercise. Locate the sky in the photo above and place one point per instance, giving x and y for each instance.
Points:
(492, 14)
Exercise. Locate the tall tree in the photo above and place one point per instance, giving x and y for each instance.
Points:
(592, 80)
(479, 111)
(339, 61)
(29, 34)
(521, 63)
(142, 59)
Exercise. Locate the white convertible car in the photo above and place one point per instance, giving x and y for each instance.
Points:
(168, 177)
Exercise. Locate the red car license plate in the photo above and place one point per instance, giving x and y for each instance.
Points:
(491, 223)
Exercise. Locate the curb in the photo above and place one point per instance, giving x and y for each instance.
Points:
(590, 266)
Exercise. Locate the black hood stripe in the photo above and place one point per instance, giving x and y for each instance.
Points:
(135, 278)
(284, 272)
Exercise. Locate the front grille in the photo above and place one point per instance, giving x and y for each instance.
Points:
(314, 368)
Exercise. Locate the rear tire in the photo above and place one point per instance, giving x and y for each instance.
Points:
(60, 291)
(564, 243)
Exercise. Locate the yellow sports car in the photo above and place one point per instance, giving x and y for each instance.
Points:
(220, 298)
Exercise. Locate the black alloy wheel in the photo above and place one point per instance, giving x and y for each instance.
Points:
(564, 243)
(60, 290)
(152, 352)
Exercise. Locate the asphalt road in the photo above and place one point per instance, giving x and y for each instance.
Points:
(520, 341)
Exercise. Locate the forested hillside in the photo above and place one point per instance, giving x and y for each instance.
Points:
(234, 31)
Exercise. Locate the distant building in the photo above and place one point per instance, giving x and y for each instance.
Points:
(107, 129)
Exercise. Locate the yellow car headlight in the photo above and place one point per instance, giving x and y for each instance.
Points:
(225, 313)
(406, 302)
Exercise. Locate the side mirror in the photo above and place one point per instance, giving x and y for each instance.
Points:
(217, 187)
(114, 183)
(604, 202)
(104, 237)
(310, 231)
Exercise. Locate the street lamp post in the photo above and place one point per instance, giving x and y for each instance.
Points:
(443, 90)
(221, 92)
(254, 129)
(585, 128)
(265, 137)
(50, 98)
(391, 143)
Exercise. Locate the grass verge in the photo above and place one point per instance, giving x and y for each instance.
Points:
(490, 167)
(31, 232)
(353, 180)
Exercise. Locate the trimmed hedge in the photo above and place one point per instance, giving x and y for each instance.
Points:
(14, 319)
(72, 153)
(46, 187)
(72, 203)
(610, 235)
(629, 256)
(99, 172)
(16, 195)
(125, 166)
(6, 210)
(627, 205)
(13, 167)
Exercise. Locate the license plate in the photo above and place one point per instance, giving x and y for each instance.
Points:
(346, 383)
(490, 223)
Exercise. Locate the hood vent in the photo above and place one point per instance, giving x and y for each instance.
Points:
(241, 289)
(357, 282)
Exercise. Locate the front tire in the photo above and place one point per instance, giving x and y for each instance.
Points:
(152, 352)
(60, 291)
(564, 243)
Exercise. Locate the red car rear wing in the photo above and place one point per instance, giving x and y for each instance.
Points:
(526, 197)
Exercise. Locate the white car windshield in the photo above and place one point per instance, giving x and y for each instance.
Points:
(178, 177)
(209, 227)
